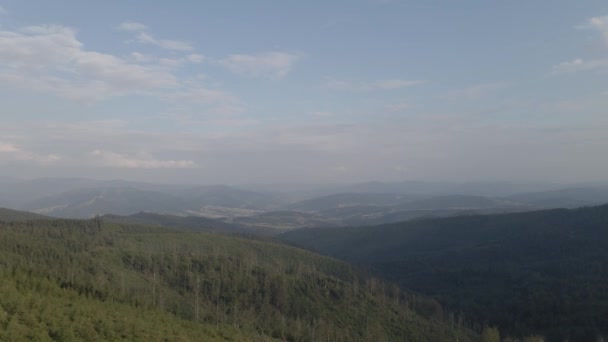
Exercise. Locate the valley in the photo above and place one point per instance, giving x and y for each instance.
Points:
(458, 265)
(277, 211)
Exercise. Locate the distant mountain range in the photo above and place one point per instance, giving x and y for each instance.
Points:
(563, 198)
(288, 207)
(83, 199)
(350, 199)
(189, 223)
(353, 209)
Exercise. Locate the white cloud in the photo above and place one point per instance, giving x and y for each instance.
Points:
(306, 152)
(201, 95)
(142, 58)
(340, 85)
(38, 47)
(120, 74)
(580, 65)
(51, 58)
(142, 36)
(12, 152)
(2, 10)
(168, 44)
(171, 62)
(269, 64)
(195, 58)
(599, 24)
(390, 84)
(132, 26)
(116, 160)
(319, 138)
(8, 148)
(166, 62)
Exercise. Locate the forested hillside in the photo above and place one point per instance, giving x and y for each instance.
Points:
(8, 215)
(542, 272)
(65, 280)
(187, 223)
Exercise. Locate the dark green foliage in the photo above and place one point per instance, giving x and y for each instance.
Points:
(35, 308)
(541, 272)
(92, 280)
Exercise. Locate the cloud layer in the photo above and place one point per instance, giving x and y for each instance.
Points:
(581, 65)
(268, 64)
(143, 36)
(116, 160)
(233, 113)
(599, 24)
(52, 59)
(389, 84)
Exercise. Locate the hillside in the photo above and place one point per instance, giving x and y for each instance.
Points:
(86, 203)
(457, 202)
(343, 200)
(357, 209)
(9, 215)
(564, 198)
(130, 199)
(188, 223)
(225, 196)
(88, 280)
(330, 205)
(537, 272)
(280, 221)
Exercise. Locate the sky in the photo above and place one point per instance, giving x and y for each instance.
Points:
(238, 92)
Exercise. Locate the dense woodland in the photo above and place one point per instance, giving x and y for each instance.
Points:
(543, 272)
(517, 277)
(69, 280)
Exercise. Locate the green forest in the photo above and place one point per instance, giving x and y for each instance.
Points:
(537, 273)
(74, 280)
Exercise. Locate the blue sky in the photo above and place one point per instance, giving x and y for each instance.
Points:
(304, 91)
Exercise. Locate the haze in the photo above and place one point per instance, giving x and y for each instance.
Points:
(309, 91)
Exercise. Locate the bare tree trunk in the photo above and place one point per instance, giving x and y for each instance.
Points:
(196, 292)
